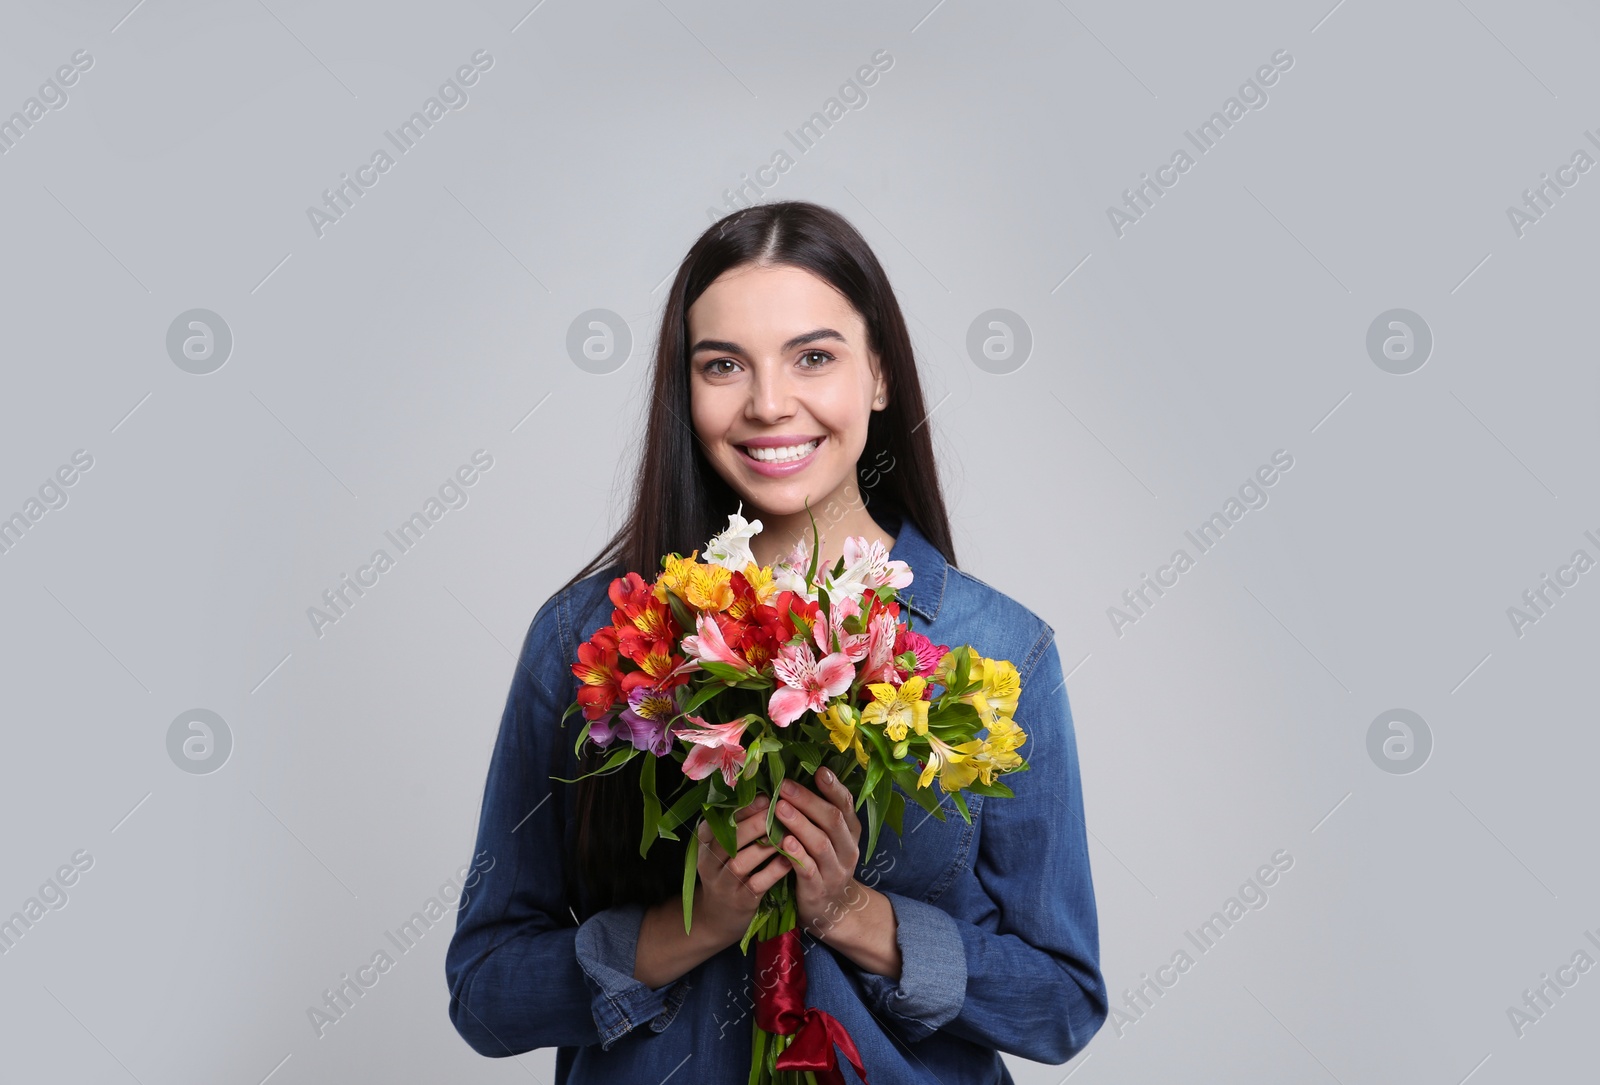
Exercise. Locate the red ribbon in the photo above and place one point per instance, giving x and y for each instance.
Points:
(781, 1010)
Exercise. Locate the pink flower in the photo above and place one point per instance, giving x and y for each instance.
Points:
(853, 645)
(882, 631)
(807, 683)
(709, 644)
(928, 653)
(716, 747)
(869, 563)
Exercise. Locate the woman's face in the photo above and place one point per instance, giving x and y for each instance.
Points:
(781, 385)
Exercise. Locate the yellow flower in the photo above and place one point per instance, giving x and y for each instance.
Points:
(708, 587)
(954, 764)
(760, 579)
(1000, 687)
(674, 576)
(842, 729)
(899, 708)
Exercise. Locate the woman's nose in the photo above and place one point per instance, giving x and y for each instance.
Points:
(770, 397)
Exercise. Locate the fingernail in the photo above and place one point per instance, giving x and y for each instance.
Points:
(761, 800)
(826, 776)
(788, 787)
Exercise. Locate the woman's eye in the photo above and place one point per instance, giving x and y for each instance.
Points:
(710, 368)
(822, 354)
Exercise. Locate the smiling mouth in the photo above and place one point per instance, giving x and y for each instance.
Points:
(783, 454)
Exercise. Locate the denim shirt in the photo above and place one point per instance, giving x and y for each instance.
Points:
(995, 921)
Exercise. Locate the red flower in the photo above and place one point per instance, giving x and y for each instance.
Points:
(644, 624)
(598, 671)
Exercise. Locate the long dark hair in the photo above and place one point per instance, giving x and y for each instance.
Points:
(679, 501)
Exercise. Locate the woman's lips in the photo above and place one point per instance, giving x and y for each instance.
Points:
(780, 470)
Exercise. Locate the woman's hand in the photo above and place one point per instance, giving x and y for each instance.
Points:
(731, 889)
(824, 837)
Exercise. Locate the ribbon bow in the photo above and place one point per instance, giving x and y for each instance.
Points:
(781, 1010)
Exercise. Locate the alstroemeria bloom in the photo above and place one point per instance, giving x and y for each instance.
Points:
(997, 696)
(882, 634)
(808, 684)
(841, 724)
(673, 574)
(790, 573)
(709, 644)
(731, 549)
(999, 749)
(853, 645)
(898, 708)
(928, 653)
(867, 566)
(646, 720)
(954, 764)
(708, 587)
(598, 671)
(644, 624)
(716, 747)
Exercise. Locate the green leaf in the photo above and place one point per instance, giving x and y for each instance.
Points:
(963, 676)
(956, 713)
(775, 776)
(961, 804)
(685, 805)
(725, 671)
(875, 773)
(801, 624)
(874, 813)
(895, 813)
(704, 694)
(996, 790)
(652, 806)
(807, 753)
(721, 819)
(691, 857)
(611, 764)
(816, 545)
(681, 613)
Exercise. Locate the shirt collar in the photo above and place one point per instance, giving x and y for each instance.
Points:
(929, 569)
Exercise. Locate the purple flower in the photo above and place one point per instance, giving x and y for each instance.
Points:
(647, 719)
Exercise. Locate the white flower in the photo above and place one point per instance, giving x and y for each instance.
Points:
(790, 573)
(731, 549)
(867, 567)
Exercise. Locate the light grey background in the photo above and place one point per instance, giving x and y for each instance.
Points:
(1230, 721)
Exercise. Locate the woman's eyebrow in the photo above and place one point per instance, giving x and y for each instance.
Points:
(727, 347)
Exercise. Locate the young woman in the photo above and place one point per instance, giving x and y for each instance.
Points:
(783, 376)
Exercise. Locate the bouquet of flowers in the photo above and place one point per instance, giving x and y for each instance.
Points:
(749, 674)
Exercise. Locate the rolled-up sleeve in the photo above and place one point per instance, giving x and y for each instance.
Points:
(1032, 985)
(522, 972)
(606, 945)
(933, 971)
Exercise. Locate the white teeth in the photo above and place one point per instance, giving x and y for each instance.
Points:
(783, 454)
